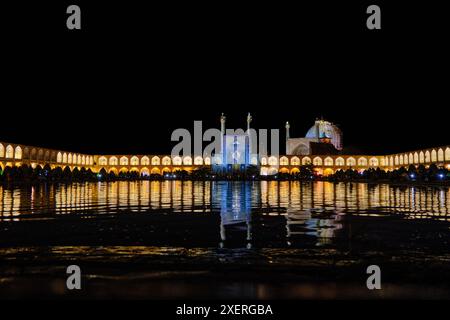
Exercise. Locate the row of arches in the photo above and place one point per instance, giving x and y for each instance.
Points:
(322, 161)
(418, 157)
(154, 161)
(77, 159)
(145, 171)
(46, 155)
(10, 152)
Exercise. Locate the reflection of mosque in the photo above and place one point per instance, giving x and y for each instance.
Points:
(235, 202)
(250, 212)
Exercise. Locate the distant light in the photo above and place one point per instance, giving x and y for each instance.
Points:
(412, 175)
(99, 175)
(441, 175)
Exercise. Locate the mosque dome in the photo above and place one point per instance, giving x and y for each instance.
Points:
(324, 129)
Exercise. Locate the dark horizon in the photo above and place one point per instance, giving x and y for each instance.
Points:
(123, 88)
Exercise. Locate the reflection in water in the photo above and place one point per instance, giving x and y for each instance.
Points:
(235, 202)
(307, 208)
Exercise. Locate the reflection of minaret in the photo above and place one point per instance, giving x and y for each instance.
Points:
(248, 146)
(235, 201)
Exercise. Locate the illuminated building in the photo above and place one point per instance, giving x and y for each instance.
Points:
(321, 148)
(321, 133)
(235, 153)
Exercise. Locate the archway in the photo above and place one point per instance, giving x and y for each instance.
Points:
(328, 172)
(18, 153)
(165, 170)
(155, 171)
(295, 161)
(145, 161)
(306, 161)
(114, 170)
(145, 172)
(9, 152)
(295, 171)
(284, 170)
(264, 171)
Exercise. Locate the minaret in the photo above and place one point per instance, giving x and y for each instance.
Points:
(222, 124)
(249, 119)
(288, 126)
(222, 138)
(288, 136)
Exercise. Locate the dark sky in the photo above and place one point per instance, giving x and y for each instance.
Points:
(135, 73)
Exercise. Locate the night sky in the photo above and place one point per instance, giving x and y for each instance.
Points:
(134, 73)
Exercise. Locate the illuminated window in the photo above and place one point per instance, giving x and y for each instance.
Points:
(416, 158)
(166, 161)
(421, 157)
(124, 161)
(400, 159)
(273, 161)
(427, 156)
(64, 158)
(351, 162)
(317, 161)
(155, 161)
(9, 152)
(447, 154)
(18, 153)
(328, 161)
(295, 161)
(411, 158)
(440, 155)
(69, 158)
(177, 161)
(113, 161)
(284, 161)
(340, 162)
(59, 157)
(102, 161)
(373, 162)
(134, 161)
(208, 161)
(405, 159)
(433, 155)
(264, 161)
(306, 161)
(145, 161)
(187, 161)
(396, 160)
(2, 151)
(198, 161)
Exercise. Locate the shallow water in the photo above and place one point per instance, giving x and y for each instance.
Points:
(316, 209)
(255, 233)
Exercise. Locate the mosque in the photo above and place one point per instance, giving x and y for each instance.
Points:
(322, 147)
(323, 138)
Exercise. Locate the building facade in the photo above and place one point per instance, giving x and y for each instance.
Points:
(320, 148)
